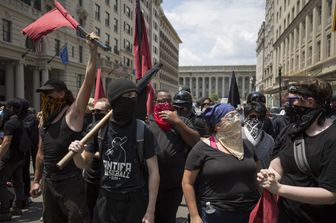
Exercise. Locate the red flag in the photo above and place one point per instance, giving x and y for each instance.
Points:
(142, 55)
(52, 20)
(99, 91)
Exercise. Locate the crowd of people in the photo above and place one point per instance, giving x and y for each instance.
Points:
(220, 158)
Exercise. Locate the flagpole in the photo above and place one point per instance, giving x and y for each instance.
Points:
(57, 53)
(138, 19)
(25, 54)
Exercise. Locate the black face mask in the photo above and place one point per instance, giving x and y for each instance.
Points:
(123, 110)
(301, 117)
(98, 117)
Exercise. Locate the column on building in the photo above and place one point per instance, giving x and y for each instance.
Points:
(306, 41)
(314, 31)
(210, 84)
(9, 80)
(333, 39)
(294, 45)
(197, 87)
(184, 81)
(323, 33)
(203, 86)
(223, 87)
(243, 87)
(216, 87)
(19, 80)
(36, 84)
(45, 75)
(300, 44)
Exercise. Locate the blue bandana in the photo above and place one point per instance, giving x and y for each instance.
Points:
(215, 113)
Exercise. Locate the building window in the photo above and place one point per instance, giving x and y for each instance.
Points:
(6, 30)
(155, 38)
(155, 26)
(115, 6)
(107, 2)
(318, 49)
(80, 3)
(97, 12)
(154, 49)
(107, 19)
(329, 10)
(57, 46)
(72, 51)
(79, 81)
(115, 26)
(127, 11)
(115, 46)
(128, 29)
(329, 45)
(80, 53)
(107, 39)
(97, 31)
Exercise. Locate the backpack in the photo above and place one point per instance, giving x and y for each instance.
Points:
(140, 130)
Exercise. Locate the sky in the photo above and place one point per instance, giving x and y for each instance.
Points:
(216, 32)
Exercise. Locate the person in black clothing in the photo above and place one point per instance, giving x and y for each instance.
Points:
(306, 183)
(225, 166)
(91, 174)
(173, 134)
(62, 117)
(11, 160)
(126, 195)
(182, 102)
(259, 97)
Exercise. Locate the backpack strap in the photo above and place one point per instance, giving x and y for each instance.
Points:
(102, 132)
(300, 156)
(140, 131)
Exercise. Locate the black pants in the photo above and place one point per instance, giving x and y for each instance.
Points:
(11, 170)
(65, 200)
(26, 176)
(120, 208)
(167, 203)
(92, 191)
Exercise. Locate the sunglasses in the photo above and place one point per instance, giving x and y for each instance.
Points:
(97, 111)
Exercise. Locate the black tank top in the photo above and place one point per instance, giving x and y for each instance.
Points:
(56, 140)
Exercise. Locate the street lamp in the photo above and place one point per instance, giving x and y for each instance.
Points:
(280, 88)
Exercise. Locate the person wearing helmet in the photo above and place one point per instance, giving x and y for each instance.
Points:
(182, 103)
(260, 97)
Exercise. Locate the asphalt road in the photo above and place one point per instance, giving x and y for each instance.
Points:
(33, 213)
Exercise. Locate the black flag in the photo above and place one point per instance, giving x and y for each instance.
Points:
(141, 111)
(234, 98)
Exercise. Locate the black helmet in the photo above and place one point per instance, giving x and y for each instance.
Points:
(182, 98)
(256, 96)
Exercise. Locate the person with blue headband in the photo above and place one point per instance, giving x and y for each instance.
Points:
(225, 166)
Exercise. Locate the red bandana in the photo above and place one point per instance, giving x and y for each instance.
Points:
(159, 107)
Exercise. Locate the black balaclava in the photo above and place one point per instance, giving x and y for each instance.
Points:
(123, 107)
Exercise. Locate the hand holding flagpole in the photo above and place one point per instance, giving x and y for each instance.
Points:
(84, 140)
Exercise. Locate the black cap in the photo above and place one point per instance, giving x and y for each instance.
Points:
(13, 102)
(53, 84)
(119, 87)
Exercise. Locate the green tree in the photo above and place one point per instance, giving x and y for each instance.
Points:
(214, 97)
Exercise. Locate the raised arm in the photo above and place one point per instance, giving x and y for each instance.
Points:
(75, 115)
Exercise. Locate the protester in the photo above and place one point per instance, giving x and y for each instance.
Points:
(255, 114)
(91, 174)
(303, 172)
(125, 195)
(259, 97)
(62, 117)
(12, 159)
(174, 134)
(182, 102)
(333, 103)
(225, 166)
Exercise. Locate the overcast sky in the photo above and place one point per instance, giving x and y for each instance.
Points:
(216, 32)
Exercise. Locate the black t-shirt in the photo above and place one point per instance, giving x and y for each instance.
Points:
(171, 155)
(13, 127)
(228, 183)
(200, 125)
(321, 156)
(120, 167)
